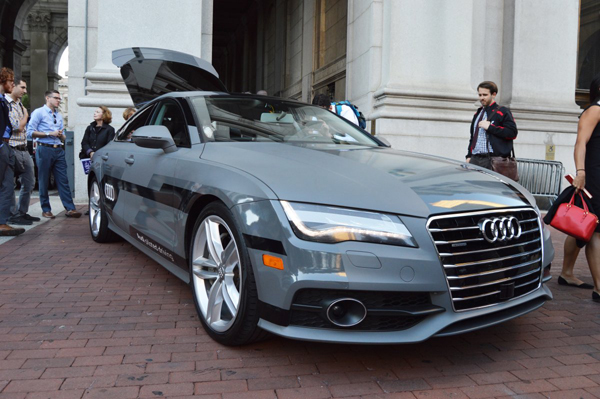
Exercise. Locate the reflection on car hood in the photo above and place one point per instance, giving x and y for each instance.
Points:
(380, 179)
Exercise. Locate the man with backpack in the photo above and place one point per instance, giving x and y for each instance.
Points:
(342, 108)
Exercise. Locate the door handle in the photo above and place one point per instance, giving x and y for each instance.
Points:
(129, 160)
(104, 157)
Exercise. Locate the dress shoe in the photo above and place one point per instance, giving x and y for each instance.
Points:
(8, 231)
(48, 215)
(585, 286)
(595, 296)
(20, 220)
(30, 218)
(87, 212)
(73, 214)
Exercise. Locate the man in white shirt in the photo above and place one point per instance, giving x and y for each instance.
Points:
(322, 100)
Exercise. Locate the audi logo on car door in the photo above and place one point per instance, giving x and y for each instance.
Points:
(109, 192)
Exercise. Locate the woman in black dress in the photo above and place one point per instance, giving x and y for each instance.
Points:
(587, 163)
(98, 133)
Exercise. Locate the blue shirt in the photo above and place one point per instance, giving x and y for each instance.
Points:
(44, 120)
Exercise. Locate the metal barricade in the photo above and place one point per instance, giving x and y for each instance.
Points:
(541, 178)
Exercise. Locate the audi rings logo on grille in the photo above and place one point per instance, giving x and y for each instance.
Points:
(109, 192)
(500, 229)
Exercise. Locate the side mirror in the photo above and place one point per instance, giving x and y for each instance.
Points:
(384, 141)
(156, 136)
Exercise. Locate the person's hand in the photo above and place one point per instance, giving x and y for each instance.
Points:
(91, 155)
(579, 181)
(484, 125)
(468, 160)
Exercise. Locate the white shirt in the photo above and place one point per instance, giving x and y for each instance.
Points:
(346, 113)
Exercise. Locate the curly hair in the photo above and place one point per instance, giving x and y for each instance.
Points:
(6, 75)
(106, 114)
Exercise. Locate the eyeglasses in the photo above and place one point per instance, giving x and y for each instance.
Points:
(57, 98)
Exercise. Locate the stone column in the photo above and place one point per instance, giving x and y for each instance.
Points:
(308, 49)
(38, 24)
(112, 25)
(539, 63)
(423, 87)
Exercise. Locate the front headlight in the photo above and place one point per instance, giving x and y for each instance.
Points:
(330, 225)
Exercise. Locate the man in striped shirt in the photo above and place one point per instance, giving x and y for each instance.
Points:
(7, 157)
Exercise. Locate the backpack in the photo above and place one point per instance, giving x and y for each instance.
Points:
(362, 121)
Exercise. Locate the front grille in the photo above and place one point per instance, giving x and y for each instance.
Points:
(384, 309)
(480, 273)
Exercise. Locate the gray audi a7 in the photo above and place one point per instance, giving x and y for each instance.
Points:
(284, 218)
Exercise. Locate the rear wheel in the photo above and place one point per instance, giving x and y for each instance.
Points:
(98, 219)
(222, 279)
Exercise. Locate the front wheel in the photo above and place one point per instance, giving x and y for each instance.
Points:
(98, 219)
(222, 279)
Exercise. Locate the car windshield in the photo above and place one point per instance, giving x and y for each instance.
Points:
(231, 118)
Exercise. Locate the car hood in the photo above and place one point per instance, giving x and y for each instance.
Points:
(151, 72)
(381, 179)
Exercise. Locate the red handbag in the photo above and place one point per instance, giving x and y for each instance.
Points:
(574, 221)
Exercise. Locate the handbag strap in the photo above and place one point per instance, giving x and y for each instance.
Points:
(572, 202)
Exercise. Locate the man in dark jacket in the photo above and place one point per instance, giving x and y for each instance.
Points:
(493, 128)
(7, 156)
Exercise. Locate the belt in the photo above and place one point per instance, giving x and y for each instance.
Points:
(20, 147)
(51, 145)
(487, 154)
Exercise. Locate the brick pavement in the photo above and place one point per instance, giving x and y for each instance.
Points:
(83, 320)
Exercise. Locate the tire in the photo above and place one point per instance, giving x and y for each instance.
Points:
(222, 280)
(98, 219)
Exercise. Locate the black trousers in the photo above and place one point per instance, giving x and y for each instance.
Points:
(483, 160)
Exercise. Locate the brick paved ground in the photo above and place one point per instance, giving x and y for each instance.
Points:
(82, 320)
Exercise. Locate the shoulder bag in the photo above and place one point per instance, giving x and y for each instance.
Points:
(574, 221)
(506, 166)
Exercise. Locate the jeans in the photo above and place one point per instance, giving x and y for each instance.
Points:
(7, 181)
(48, 160)
(24, 171)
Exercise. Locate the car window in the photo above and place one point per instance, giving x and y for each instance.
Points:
(135, 122)
(170, 115)
(233, 118)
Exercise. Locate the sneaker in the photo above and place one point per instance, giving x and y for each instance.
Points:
(7, 231)
(30, 218)
(20, 220)
(73, 214)
(48, 215)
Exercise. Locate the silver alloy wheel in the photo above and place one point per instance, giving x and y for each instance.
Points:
(217, 273)
(95, 213)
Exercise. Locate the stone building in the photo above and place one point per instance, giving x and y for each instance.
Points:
(411, 66)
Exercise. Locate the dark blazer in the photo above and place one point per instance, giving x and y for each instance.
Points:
(93, 141)
(501, 133)
(4, 118)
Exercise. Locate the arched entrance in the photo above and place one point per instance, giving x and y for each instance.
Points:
(34, 36)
